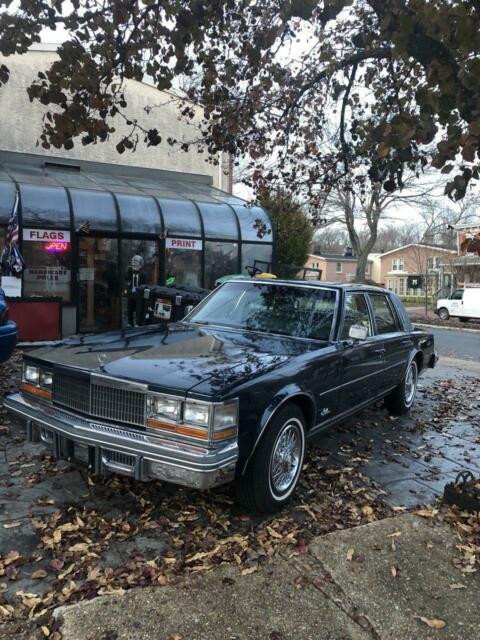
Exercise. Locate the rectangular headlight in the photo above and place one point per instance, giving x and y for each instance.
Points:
(31, 374)
(46, 379)
(196, 414)
(169, 408)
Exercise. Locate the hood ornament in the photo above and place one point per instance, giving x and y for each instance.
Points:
(101, 359)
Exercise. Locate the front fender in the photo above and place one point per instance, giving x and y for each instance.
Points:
(283, 395)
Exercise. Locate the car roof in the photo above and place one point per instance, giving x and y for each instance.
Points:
(345, 286)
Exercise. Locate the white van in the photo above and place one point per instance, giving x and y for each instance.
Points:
(462, 303)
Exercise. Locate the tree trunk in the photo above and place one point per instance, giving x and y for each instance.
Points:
(362, 263)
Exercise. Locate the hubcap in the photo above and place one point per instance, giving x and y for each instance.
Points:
(286, 458)
(410, 384)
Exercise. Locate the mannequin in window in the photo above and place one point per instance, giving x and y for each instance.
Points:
(136, 277)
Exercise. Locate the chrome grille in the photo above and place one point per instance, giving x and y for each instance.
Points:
(120, 405)
(109, 402)
(72, 391)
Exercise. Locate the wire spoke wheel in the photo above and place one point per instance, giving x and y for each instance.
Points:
(410, 384)
(286, 458)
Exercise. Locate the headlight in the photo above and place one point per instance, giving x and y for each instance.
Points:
(31, 374)
(37, 381)
(161, 407)
(225, 420)
(196, 414)
(46, 379)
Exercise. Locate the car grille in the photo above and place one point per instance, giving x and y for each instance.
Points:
(97, 400)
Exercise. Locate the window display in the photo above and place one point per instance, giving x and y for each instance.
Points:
(48, 269)
(221, 259)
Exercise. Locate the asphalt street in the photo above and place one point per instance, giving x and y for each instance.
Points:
(461, 345)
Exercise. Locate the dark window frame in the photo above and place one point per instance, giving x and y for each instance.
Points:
(391, 306)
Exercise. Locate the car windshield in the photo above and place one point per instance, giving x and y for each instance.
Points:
(300, 312)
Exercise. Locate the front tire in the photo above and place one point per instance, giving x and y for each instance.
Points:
(443, 313)
(401, 399)
(273, 472)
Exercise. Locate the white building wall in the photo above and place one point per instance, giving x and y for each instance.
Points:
(21, 124)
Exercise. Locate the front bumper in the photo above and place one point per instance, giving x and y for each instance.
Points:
(108, 447)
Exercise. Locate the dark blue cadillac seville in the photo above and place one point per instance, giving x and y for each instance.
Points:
(234, 392)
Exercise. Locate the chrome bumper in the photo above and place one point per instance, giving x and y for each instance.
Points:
(109, 447)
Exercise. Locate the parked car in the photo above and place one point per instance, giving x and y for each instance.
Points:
(8, 330)
(234, 392)
(462, 303)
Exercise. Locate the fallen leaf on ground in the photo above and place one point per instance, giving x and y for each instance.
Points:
(350, 553)
(11, 525)
(433, 623)
(394, 572)
(40, 573)
(457, 585)
(247, 572)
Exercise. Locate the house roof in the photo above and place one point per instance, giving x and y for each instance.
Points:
(417, 244)
(337, 257)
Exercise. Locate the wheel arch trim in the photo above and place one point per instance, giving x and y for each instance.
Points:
(272, 410)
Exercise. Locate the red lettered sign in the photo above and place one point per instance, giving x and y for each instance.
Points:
(183, 243)
(46, 235)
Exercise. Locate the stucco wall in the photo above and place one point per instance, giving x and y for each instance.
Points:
(21, 123)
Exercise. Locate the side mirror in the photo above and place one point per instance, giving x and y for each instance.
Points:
(358, 332)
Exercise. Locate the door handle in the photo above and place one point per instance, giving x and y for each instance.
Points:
(379, 350)
(407, 343)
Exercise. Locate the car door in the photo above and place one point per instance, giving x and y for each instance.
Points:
(455, 306)
(362, 361)
(398, 344)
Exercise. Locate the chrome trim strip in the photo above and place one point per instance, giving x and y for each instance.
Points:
(345, 384)
(340, 416)
(117, 383)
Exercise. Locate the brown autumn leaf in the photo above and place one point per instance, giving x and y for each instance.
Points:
(457, 585)
(433, 623)
(247, 572)
(40, 573)
(394, 571)
(350, 553)
(11, 525)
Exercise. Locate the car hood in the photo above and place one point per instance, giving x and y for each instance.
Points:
(179, 358)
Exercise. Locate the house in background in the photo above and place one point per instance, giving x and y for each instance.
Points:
(465, 264)
(393, 268)
(336, 267)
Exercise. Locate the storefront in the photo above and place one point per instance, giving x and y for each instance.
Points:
(81, 223)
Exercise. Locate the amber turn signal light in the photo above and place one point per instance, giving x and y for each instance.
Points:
(36, 391)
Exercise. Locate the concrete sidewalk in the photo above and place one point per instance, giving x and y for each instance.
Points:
(389, 580)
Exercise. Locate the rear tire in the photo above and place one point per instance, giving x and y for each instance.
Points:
(401, 399)
(443, 313)
(273, 472)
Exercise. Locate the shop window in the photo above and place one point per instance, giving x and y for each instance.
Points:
(260, 253)
(139, 214)
(219, 221)
(183, 262)
(44, 206)
(180, 218)
(255, 225)
(221, 259)
(148, 272)
(48, 269)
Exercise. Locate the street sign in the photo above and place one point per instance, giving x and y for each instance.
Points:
(414, 282)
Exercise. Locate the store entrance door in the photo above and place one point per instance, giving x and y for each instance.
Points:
(99, 284)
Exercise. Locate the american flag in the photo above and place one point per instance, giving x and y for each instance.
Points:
(13, 230)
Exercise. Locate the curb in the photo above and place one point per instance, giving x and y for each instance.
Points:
(436, 326)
